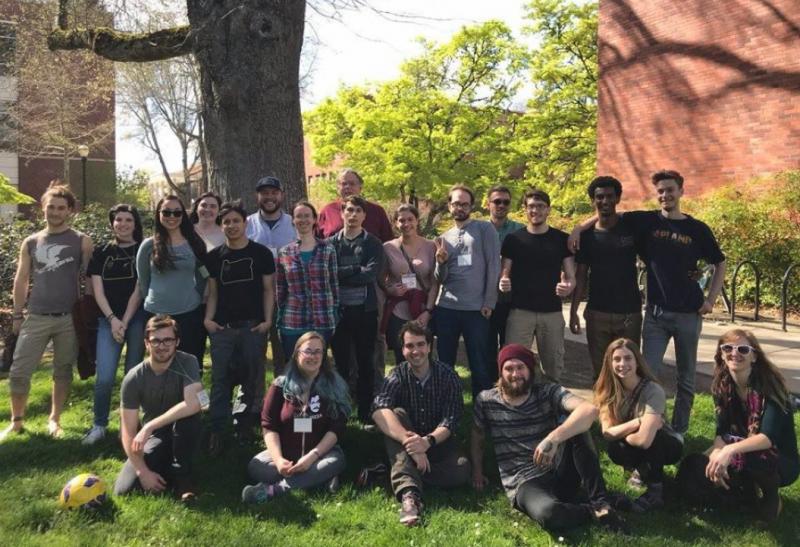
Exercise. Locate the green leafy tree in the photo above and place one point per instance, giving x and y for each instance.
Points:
(558, 132)
(446, 119)
(9, 195)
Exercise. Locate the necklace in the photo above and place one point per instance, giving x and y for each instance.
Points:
(124, 250)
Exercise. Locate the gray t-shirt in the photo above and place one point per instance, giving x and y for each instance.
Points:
(652, 400)
(155, 393)
(55, 265)
(173, 291)
(469, 277)
(517, 430)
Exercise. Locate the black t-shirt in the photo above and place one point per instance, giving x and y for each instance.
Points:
(611, 258)
(670, 249)
(117, 268)
(536, 268)
(238, 273)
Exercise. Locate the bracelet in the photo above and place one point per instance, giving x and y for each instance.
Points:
(315, 452)
(110, 316)
(431, 440)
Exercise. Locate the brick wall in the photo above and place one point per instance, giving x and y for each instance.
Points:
(708, 87)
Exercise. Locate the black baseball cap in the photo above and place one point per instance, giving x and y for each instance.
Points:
(269, 182)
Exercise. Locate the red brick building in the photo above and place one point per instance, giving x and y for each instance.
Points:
(708, 87)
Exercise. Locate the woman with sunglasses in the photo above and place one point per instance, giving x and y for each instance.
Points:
(205, 217)
(307, 283)
(304, 417)
(755, 449)
(409, 283)
(112, 271)
(172, 276)
(632, 406)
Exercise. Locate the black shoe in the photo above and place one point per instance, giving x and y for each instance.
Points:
(215, 444)
(185, 490)
(609, 519)
(370, 475)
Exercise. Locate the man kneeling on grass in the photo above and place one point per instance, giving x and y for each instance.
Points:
(418, 410)
(167, 389)
(542, 464)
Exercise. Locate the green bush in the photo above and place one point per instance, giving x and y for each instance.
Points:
(759, 222)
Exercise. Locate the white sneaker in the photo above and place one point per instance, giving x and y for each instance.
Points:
(96, 433)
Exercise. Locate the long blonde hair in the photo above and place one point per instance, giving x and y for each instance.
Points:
(609, 394)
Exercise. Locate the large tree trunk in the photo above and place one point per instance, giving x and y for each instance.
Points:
(249, 57)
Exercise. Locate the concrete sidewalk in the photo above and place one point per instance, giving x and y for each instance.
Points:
(783, 348)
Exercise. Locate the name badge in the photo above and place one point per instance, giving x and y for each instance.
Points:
(465, 259)
(410, 281)
(202, 398)
(302, 425)
(203, 272)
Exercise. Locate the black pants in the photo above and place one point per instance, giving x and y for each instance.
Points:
(549, 499)
(497, 330)
(357, 330)
(168, 452)
(665, 450)
(393, 338)
(699, 490)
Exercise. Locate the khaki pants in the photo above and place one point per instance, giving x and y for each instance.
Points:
(34, 335)
(548, 330)
(603, 328)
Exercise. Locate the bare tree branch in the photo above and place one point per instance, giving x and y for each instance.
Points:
(125, 46)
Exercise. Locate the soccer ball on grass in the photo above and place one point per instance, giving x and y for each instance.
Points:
(87, 491)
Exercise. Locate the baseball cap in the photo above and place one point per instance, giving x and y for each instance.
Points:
(269, 182)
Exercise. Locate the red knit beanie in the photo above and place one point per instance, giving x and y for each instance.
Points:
(516, 351)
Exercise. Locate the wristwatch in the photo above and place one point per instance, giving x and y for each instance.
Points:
(431, 440)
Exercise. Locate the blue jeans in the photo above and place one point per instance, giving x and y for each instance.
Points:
(659, 326)
(449, 325)
(108, 353)
(237, 357)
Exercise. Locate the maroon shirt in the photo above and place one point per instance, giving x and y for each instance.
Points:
(376, 221)
(278, 416)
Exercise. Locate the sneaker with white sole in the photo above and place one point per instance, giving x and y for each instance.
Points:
(96, 433)
(258, 493)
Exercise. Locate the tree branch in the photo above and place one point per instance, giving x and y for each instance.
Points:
(125, 46)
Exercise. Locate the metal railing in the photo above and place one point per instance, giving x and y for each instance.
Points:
(757, 273)
(785, 293)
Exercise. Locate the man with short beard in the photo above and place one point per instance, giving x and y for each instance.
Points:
(271, 227)
(541, 462)
(349, 183)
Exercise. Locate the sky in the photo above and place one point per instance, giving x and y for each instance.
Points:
(361, 46)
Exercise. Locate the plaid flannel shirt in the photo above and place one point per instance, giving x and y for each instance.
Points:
(308, 296)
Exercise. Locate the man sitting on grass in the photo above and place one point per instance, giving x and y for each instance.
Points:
(167, 389)
(541, 463)
(418, 410)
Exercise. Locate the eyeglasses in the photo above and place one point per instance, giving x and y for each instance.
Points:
(505, 202)
(460, 204)
(172, 212)
(311, 352)
(157, 342)
(744, 349)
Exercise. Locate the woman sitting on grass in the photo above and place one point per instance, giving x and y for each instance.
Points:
(755, 448)
(304, 416)
(632, 406)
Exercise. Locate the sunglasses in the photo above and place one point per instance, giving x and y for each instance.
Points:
(172, 212)
(744, 350)
(505, 202)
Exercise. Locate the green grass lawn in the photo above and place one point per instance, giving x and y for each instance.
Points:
(33, 468)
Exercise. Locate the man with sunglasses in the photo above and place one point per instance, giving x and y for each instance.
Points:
(467, 266)
(166, 388)
(499, 203)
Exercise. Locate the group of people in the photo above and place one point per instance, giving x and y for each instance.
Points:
(303, 281)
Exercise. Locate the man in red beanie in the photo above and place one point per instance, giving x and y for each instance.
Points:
(542, 462)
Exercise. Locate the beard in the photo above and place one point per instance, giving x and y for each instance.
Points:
(460, 215)
(516, 389)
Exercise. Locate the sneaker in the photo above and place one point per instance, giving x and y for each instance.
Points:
(653, 498)
(258, 493)
(609, 519)
(369, 428)
(410, 508)
(371, 475)
(635, 481)
(333, 485)
(95, 434)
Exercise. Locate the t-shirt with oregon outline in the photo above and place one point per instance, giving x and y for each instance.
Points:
(155, 393)
(671, 249)
(116, 266)
(239, 274)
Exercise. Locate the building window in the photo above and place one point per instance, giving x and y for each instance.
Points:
(8, 47)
